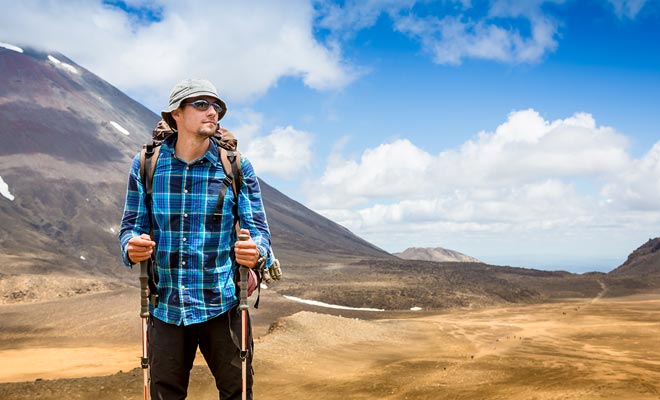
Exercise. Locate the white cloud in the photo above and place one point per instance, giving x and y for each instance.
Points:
(452, 38)
(509, 31)
(526, 149)
(243, 49)
(246, 124)
(454, 33)
(627, 8)
(285, 153)
(354, 15)
(637, 187)
(399, 161)
(529, 178)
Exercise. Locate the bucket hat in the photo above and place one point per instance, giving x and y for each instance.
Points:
(186, 89)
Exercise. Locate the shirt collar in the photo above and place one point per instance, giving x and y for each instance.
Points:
(211, 154)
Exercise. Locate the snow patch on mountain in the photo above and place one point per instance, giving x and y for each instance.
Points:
(11, 47)
(4, 190)
(63, 65)
(326, 305)
(120, 128)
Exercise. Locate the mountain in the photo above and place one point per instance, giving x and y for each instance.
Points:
(434, 254)
(67, 139)
(643, 262)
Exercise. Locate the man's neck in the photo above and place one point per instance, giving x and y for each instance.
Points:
(189, 146)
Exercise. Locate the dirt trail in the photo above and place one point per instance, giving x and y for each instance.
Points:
(601, 293)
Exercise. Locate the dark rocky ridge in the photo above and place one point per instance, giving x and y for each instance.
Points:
(644, 261)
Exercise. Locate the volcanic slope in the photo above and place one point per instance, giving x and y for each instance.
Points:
(67, 141)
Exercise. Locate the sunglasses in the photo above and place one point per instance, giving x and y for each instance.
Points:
(203, 105)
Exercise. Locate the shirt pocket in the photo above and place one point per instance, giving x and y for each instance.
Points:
(217, 209)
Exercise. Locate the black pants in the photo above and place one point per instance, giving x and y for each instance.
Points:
(172, 351)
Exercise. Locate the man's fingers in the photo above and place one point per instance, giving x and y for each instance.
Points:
(247, 261)
(139, 251)
(246, 250)
(142, 241)
(140, 247)
(245, 244)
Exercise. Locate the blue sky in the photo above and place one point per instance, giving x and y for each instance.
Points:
(522, 133)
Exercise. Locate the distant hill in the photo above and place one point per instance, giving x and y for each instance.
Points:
(437, 254)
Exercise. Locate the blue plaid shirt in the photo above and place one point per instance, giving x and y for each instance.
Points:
(194, 271)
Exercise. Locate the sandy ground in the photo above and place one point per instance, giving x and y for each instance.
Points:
(595, 349)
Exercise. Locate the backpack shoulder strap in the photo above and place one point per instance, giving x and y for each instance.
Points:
(148, 159)
(150, 152)
(230, 157)
(231, 164)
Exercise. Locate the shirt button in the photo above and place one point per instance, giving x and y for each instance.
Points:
(185, 190)
(187, 168)
(183, 287)
(185, 215)
(184, 239)
(183, 263)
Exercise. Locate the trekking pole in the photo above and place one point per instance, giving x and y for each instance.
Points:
(243, 306)
(144, 314)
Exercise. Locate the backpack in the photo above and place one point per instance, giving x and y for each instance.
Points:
(231, 164)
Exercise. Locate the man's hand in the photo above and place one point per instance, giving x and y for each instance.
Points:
(140, 248)
(246, 251)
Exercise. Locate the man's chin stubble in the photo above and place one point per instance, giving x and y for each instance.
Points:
(206, 133)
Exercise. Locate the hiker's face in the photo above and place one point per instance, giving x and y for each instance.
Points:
(192, 118)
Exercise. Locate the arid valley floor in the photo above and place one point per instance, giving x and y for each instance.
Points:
(598, 348)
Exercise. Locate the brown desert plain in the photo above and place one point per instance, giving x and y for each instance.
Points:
(595, 348)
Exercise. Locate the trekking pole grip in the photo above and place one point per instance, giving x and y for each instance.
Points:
(144, 289)
(243, 304)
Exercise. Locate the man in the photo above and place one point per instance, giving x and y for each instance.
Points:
(195, 255)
